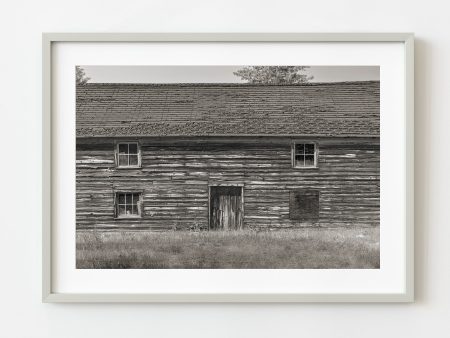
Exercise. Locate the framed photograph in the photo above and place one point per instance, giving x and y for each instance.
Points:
(228, 167)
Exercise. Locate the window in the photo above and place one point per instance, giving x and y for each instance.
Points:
(128, 204)
(128, 155)
(304, 155)
(304, 205)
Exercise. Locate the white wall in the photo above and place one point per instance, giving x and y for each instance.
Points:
(22, 313)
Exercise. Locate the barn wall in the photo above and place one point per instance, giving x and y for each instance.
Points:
(175, 175)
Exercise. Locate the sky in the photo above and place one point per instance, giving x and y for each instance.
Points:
(216, 74)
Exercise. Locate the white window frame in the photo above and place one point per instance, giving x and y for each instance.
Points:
(116, 153)
(293, 154)
(139, 204)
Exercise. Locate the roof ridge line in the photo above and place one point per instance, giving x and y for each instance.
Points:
(226, 84)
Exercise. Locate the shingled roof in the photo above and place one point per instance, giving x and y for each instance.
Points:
(321, 109)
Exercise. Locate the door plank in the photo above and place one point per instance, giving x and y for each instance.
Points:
(226, 208)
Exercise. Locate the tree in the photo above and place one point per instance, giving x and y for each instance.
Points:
(82, 79)
(274, 74)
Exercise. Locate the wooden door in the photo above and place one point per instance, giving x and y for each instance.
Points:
(226, 208)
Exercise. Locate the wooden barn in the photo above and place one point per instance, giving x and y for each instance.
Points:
(227, 156)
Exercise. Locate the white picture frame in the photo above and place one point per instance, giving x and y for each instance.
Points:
(49, 294)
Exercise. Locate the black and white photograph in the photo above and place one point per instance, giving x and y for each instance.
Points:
(227, 167)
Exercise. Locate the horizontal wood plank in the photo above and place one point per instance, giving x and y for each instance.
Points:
(176, 174)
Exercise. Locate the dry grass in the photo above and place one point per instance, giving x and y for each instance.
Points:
(311, 248)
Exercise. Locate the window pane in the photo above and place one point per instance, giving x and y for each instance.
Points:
(129, 197)
(299, 160)
(309, 149)
(299, 148)
(123, 160)
(121, 198)
(133, 160)
(133, 148)
(309, 160)
(135, 209)
(123, 148)
(121, 210)
(128, 209)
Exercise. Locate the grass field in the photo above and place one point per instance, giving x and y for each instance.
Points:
(310, 248)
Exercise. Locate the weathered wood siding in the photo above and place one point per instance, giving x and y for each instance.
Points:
(176, 173)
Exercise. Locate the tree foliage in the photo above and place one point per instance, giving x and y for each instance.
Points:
(81, 76)
(274, 74)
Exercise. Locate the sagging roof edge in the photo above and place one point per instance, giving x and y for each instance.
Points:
(231, 136)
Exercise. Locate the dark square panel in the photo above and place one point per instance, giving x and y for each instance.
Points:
(304, 205)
